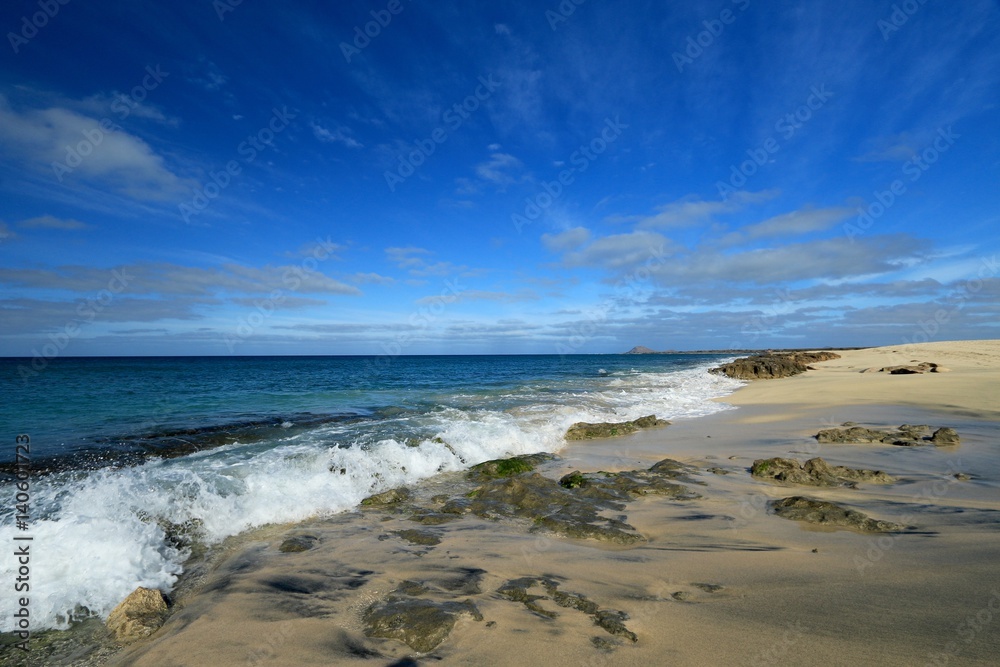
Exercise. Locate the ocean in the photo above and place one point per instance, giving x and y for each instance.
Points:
(124, 449)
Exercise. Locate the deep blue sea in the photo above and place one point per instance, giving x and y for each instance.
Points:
(123, 446)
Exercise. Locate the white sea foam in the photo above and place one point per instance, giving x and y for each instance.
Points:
(98, 542)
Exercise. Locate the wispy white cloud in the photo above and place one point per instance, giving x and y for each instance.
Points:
(337, 135)
(500, 170)
(692, 210)
(52, 222)
(567, 240)
(621, 251)
(46, 140)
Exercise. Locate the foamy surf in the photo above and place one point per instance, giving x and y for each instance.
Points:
(98, 535)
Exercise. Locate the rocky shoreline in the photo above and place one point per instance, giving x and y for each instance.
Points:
(547, 553)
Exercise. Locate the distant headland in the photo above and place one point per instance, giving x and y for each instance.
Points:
(640, 349)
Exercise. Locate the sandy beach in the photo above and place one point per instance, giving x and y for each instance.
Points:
(719, 579)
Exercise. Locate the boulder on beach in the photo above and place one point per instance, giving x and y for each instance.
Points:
(573, 506)
(587, 431)
(915, 368)
(508, 467)
(420, 624)
(823, 513)
(390, 497)
(814, 472)
(137, 616)
(907, 435)
(771, 366)
(609, 620)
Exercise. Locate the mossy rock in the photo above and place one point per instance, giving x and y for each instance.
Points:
(510, 467)
(390, 497)
(421, 624)
(588, 431)
(420, 537)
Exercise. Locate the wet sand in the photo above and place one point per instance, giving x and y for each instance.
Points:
(719, 580)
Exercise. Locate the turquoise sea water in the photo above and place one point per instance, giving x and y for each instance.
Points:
(121, 446)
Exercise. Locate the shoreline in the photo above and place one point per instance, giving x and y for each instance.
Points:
(717, 579)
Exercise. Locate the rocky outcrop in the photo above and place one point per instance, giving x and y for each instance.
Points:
(815, 472)
(771, 366)
(420, 624)
(138, 616)
(298, 544)
(509, 467)
(587, 431)
(390, 497)
(518, 590)
(915, 368)
(639, 349)
(572, 507)
(907, 435)
(823, 513)
(945, 437)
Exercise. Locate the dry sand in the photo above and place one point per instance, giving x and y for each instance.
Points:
(790, 594)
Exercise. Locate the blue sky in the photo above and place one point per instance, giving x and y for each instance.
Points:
(409, 178)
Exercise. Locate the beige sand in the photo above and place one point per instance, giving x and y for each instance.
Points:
(928, 597)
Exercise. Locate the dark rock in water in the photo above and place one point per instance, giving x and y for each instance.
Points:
(420, 624)
(669, 467)
(518, 590)
(709, 588)
(429, 518)
(821, 512)
(573, 480)
(770, 366)
(138, 616)
(420, 537)
(587, 431)
(605, 644)
(468, 582)
(550, 507)
(850, 434)
(613, 623)
(298, 543)
(815, 472)
(571, 507)
(962, 477)
(515, 465)
(390, 497)
(907, 435)
(411, 588)
(945, 436)
(783, 470)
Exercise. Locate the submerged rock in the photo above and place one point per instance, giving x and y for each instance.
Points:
(550, 507)
(515, 465)
(390, 497)
(572, 506)
(421, 624)
(420, 537)
(821, 512)
(298, 543)
(587, 431)
(815, 472)
(138, 616)
(770, 366)
(945, 436)
(907, 435)
(518, 590)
